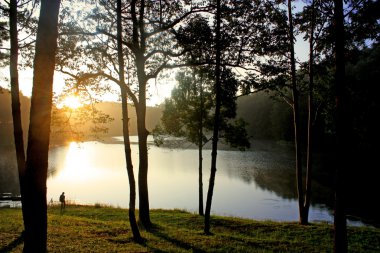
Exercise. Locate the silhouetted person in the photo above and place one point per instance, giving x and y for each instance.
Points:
(63, 201)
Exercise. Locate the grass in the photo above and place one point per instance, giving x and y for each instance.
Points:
(106, 229)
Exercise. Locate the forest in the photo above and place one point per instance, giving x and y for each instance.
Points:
(238, 79)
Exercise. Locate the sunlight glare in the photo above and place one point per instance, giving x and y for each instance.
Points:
(77, 166)
(72, 102)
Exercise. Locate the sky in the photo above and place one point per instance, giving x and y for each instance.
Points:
(159, 88)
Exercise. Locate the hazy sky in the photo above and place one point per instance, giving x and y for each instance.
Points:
(159, 88)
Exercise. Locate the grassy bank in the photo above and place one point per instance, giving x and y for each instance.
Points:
(106, 229)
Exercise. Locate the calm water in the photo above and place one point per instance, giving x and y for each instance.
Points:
(94, 172)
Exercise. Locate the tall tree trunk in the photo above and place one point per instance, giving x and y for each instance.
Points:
(200, 180)
(143, 168)
(309, 158)
(216, 121)
(39, 129)
(127, 145)
(143, 148)
(340, 225)
(132, 184)
(296, 120)
(15, 94)
(200, 155)
(139, 47)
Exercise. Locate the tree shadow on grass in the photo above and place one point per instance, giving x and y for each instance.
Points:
(13, 244)
(160, 232)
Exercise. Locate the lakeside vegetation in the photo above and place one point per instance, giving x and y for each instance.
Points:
(106, 229)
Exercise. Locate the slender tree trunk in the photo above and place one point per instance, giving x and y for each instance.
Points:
(139, 47)
(310, 121)
(200, 155)
(132, 184)
(340, 225)
(200, 180)
(296, 120)
(143, 148)
(216, 122)
(16, 106)
(39, 129)
(127, 145)
(143, 168)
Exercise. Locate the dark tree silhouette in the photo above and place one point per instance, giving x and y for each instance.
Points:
(342, 132)
(296, 118)
(39, 129)
(19, 12)
(310, 129)
(127, 145)
(215, 134)
(15, 94)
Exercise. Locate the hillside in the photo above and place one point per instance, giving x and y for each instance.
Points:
(113, 109)
(266, 118)
(6, 127)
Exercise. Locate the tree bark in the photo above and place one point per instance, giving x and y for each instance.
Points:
(15, 96)
(309, 158)
(39, 129)
(142, 132)
(200, 155)
(296, 120)
(132, 184)
(143, 168)
(200, 180)
(216, 121)
(139, 47)
(127, 145)
(342, 163)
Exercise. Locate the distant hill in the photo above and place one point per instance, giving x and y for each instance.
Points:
(6, 126)
(6, 120)
(266, 118)
(113, 109)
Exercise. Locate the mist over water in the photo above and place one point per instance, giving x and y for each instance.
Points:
(257, 184)
(94, 172)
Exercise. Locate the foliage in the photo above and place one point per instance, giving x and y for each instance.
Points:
(189, 111)
(27, 27)
(361, 76)
(79, 124)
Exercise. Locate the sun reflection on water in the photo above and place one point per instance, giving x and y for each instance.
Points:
(76, 166)
(95, 172)
(87, 175)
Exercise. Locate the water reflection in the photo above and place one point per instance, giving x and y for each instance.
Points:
(257, 184)
(247, 184)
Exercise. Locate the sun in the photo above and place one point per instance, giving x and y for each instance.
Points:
(72, 102)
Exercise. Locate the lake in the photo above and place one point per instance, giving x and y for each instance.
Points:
(257, 184)
(94, 172)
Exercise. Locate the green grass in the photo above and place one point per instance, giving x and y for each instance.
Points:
(106, 229)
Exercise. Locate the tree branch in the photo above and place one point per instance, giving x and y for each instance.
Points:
(87, 76)
(176, 21)
(129, 45)
(165, 53)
